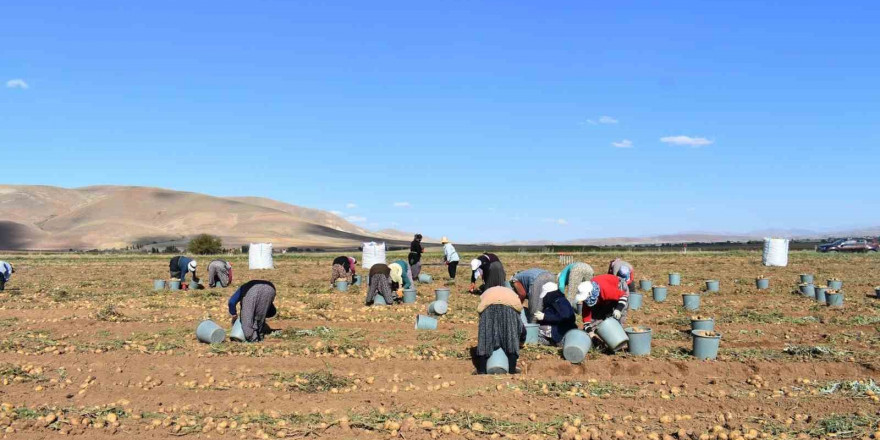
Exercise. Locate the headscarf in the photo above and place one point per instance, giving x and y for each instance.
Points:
(588, 293)
(475, 264)
(547, 288)
(192, 266)
(499, 295)
(396, 273)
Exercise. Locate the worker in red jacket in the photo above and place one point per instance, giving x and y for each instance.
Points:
(605, 296)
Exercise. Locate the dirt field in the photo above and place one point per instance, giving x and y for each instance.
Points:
(89, 349)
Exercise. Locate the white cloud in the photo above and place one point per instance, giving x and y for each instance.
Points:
(350, 206)
(626, 143)
(558, 221)
(339, 213)
(686, 141)
(356, 219)
(402, 205)
(607, 120)
(16, 83)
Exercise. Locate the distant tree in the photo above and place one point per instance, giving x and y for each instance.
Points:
(204, 244)
(154, 250)
(170, 250)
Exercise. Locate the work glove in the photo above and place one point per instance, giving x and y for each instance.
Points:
(616, 315)
(539, 316)
(400, 293)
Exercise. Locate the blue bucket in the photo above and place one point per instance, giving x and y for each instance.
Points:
(691, 301)
(820, 293)
(645, 285)
(409, 296)
(379, 300)
(611, 332)
(426, 323)
(834, 299)
(174, 285)
(762, 283)
(705, 345)
(158, 285)
(806, 278)
(425, 278)
(575, 345)
(835, 284)
(210, 333)
(237, 334)
(712, 285)
(532, 333)
(808, 290)
(342, 286)
(498, 363)
(438, 308)
(675, 279)
(356, 280)
(635, 301)
(659, 293)
(441, 294)
(703, 324)
(639, 341)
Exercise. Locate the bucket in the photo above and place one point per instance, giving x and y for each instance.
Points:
(611, 332)
(639, 341)
(438, 308)
(426, 323)
(158, 285)
(645, 285)
(174, 285)
(425, 278)
(808, 290)
(356, 280)
(532, 333)
(441, 294)
(379, 300)
(675, 279)
(409, 296)
(835, 284)
(342, 286)
(762, 283)
(498, 363)
(703, 324)
(820, 294)
(209, 332)
(575, 346)
(659, 293)
(635, 301)
(691, 301)
(706, 344)
(712, 285)
(806, 278)
(237, 334)
(834, 299)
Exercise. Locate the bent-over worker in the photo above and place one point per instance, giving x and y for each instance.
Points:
(500, 327)
(6, 271)
(380, 284)
(180, 266)
(488, 267)
(571, 276)
(527, 284)
(343, 268)
(557, 316)
(605, 296)
(624, 271)
(257, 299)
(219, 273)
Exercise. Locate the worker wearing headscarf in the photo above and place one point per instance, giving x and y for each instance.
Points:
(603, 297)
(623, 270)
(556, 317)
(527, 285)
(380, 284)
(500, 327)
(343, 268)
(219, 273)
(180, 266)
(488, 267)
(571, 276)
(257, 303)
(415, 255)
(6, 271)
(402, 277)
(450, 257)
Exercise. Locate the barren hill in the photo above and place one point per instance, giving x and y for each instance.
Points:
(105, 217)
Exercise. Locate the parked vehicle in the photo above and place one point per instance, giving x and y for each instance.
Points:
(850, 245)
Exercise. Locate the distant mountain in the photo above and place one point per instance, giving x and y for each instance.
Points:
(107, 217)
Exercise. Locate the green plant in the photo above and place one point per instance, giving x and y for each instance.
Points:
(205, 244)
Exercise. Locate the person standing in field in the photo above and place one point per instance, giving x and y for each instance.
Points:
(180, 266)
(527, 284)
(380, 284)
(571, 276)
(257, 299)
(219, 273)
(624, 271)
(450, 257)
(488, 267)
(603, 297)
(500, 327)
(6, 271)
(415, 255)
(343, 268)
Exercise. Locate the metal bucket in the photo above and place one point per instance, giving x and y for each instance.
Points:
(712, 285)
(820, 294)
(635, 301)
(409, 296)
(808, 290)
(498, 363)
(441, 294)
(532, 333)
(174, 285)
(210, 333)
(835, 284)
(575, 346)
(834, 299)
(806, 278)
(237, 334)
(425, 278)
(426, 323)
(703, 324)
(379, 300)
(639, 341)
(659, 293)
(611, 332)
(691, 301)
(706, 347)
(762, 283)
(674, 279)
(438, 308)
(645, 285)
(342, 286)
(158, 285)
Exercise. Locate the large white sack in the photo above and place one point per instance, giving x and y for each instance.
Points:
(775, 252)
(373, 254)
(260, 256)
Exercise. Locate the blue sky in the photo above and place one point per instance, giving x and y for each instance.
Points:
(480, 120)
